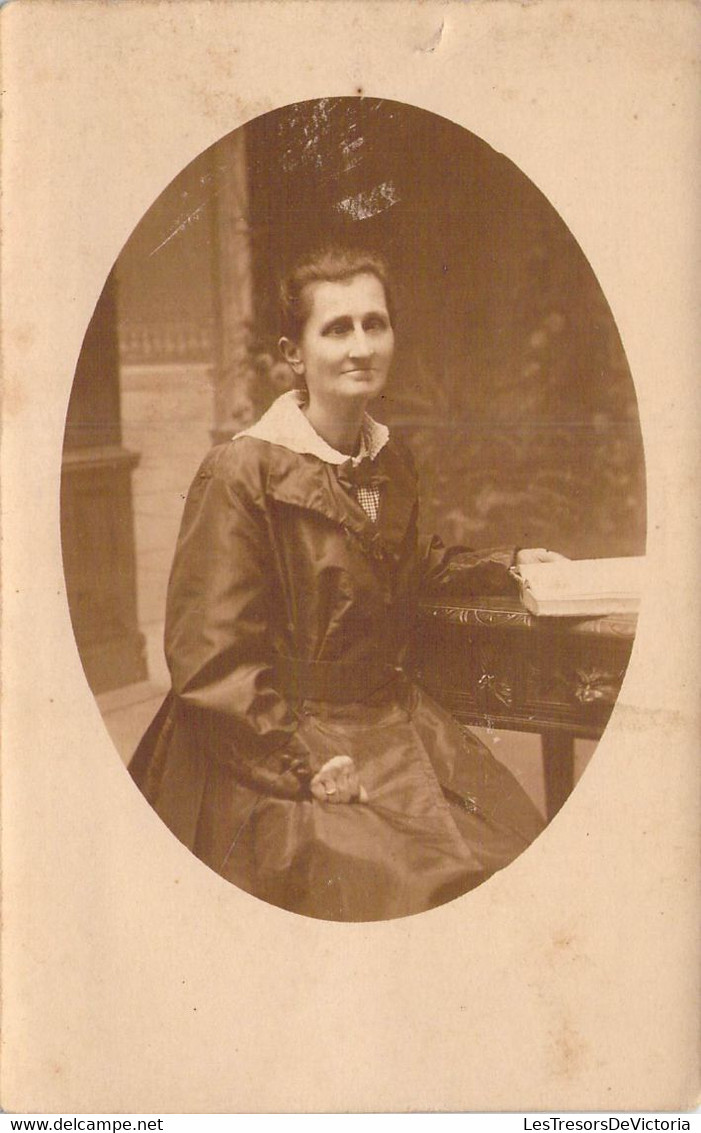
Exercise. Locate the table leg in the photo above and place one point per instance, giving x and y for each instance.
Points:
(558, 769)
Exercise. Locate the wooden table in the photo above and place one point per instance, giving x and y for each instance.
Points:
(493, 664)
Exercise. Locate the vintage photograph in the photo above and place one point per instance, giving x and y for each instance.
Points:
(349, 499)
(353, 509)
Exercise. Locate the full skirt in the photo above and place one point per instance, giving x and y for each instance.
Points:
(443, 814)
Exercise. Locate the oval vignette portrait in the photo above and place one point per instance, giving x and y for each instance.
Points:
(353, 509)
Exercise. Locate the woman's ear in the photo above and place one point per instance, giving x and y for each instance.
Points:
(291, 353)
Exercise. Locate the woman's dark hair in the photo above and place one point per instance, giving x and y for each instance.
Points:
(329, 264)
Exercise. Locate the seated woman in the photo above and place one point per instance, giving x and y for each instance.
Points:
(294, 755)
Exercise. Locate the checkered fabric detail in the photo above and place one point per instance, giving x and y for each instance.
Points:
(369, 500)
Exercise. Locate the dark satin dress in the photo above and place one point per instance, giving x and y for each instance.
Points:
(288, 616)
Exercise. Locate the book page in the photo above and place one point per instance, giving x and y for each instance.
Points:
(134, 979)
(597, 586)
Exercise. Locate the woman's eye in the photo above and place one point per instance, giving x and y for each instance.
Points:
(376, 324)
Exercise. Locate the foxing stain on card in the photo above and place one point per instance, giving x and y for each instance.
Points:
(434, 42)
(569, 1049)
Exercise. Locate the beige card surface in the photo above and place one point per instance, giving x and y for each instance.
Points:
(134, 979)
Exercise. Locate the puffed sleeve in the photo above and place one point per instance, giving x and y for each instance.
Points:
(460, 572)
(218, 642)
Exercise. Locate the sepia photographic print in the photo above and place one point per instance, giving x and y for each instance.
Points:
(348, 639)
(332, 258)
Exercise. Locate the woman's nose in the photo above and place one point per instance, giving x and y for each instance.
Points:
(360, 346)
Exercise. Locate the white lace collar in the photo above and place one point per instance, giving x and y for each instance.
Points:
(285, 424)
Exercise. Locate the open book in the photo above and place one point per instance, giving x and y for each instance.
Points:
(582, 587)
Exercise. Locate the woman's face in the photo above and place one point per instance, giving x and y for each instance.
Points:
(346, 347)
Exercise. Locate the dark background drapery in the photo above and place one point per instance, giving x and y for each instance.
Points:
(510, 381)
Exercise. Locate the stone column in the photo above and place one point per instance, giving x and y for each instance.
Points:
(97, 523)
(236, 401)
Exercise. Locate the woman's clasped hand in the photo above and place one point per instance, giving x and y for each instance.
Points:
(337, 782)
